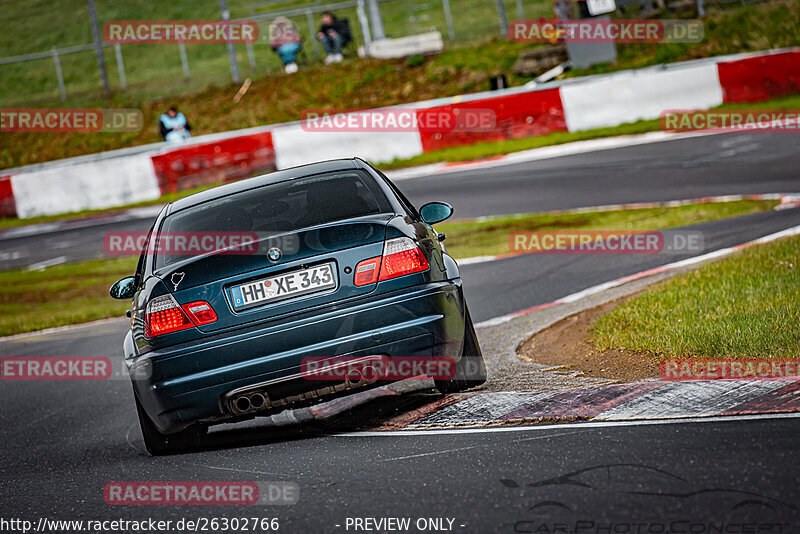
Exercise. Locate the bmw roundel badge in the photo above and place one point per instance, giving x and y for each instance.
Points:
(274, 254)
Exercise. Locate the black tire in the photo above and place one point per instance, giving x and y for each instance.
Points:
(470, 369)
(159, 444)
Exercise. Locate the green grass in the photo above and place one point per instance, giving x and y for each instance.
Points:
(76, 293)
(61, 295)
(490, 236)
(744, 306)
(156, 80)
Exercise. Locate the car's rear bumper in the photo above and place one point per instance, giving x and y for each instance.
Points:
(192, 382)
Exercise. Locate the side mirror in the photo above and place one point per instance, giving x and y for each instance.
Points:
(434, 212)
(124, 288)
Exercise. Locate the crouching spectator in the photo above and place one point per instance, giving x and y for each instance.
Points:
(174, 126)
(334, 34)
(285, 40)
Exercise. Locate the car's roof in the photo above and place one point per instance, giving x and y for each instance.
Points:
(265, 179)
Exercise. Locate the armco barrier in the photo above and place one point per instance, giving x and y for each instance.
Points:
(571, 105)
(223, 160)
(517, 115)
(761, 77)
(296, 146)
(631, 96)
(91, 185)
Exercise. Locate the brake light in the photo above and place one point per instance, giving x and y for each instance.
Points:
(367, 271)
(163, 315)
(401, 256)
(200, 312)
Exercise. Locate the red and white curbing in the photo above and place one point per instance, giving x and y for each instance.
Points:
(594, 290)
(83, 183)
(615, 402)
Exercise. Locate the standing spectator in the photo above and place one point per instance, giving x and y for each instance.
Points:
(285, 40)
(334, 34)
(562, 9)
(174, 126)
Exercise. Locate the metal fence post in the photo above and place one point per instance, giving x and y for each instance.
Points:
(376, 20)
(362, 19)
(59, 74)
(501, 13)
(226, 15)
(312, 32)
(123, 82)
(251, 56)
(98, 48)
(184, 61)
(448, 17)
(520, 11)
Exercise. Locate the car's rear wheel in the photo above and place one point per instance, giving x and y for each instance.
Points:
(159, 444)
(470, 369)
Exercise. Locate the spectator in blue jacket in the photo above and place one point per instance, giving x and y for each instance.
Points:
(334, 34)
(285, 40)
(174, 126)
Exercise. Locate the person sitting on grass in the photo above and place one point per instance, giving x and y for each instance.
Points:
(334, 34)
(174, 126)
(285, 40)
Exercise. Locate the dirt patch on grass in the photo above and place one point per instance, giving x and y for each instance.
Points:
(568, 343)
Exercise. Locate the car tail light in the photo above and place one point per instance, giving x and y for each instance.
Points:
(200, 312)
(163, 315)
(401, 256)
(367, 271)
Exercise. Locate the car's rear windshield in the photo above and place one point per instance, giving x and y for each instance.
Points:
(275, 209)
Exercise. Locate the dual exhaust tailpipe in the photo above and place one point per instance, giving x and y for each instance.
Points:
(255, 401)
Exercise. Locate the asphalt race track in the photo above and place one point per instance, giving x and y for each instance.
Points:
(64, 440)
(740, 163)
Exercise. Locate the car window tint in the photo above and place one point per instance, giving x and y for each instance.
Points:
(281, 207)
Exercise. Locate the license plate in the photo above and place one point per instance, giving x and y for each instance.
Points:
(284, 286)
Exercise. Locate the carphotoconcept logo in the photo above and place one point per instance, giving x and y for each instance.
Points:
(70, 120)
(180, 31)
